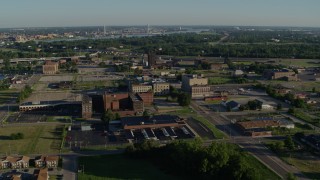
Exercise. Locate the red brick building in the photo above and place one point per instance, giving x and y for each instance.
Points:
(147, 98)
(127, 103)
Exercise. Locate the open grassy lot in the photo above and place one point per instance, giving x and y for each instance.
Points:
(219, 80)
(118, 167)
(303, 160)
(37, 139)
(93, 84)
(263, 171)
(299, 62)
(297, 85)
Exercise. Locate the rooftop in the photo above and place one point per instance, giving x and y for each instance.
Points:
(145, 120)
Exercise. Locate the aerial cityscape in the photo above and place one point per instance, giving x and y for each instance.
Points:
(95, 90)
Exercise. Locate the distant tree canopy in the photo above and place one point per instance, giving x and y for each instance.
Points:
(238, 44)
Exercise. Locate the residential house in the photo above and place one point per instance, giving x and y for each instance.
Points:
(46, 161)
(14, 162)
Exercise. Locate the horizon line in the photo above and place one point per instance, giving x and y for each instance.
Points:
(79, 26)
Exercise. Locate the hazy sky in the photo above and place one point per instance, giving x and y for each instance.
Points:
(44, 13)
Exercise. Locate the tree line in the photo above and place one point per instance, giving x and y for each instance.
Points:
(192, 160)
(187, 44)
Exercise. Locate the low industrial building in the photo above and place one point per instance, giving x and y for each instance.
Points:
(283, 74)
(161, 89)
(266, 105)
(196, 86)
(50, 67)
(258, 128)
(160, 127)
(137, 88)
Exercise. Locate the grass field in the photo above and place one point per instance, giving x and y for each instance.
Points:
(217, 133)
(300, 62)
(37, 139)
(303, 160)
(262, 170)
(93, 84)
(219, 80)
(118, 167)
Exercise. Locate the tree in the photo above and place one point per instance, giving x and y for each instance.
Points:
(173, 92)
(299, 103)
(184, 99)
(146, 113)
(313, 89)
(7, 64)
(288, 143)
(290, 176)
(117, 116)
(16, 136)
(254, 105)
(189, 71)
(279, 106)
(137, 71)
(291, 110)
(107, 116)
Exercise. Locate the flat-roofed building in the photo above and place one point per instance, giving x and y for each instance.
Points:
(137, 88)
(50, 67)
(196, 86)
(137, 103)
(86, 107)
(160, 89)
(189, 80)
(140, 122)
(284, 74)
(201, 91)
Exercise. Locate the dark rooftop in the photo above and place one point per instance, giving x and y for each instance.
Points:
(140, 120)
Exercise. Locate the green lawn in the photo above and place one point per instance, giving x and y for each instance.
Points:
(262, 170)
(118, 167)
(298, 128)
(303, 160)
(304, 115)
(299, 62)
(37, 139)
(216, 132)
(219, 80)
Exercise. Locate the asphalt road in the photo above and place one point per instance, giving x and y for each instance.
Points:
(252, 145)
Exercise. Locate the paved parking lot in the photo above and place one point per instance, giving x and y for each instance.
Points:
(98, 77)
(56, 78)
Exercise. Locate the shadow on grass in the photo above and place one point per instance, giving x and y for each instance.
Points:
(312, 175)
(5, 138)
